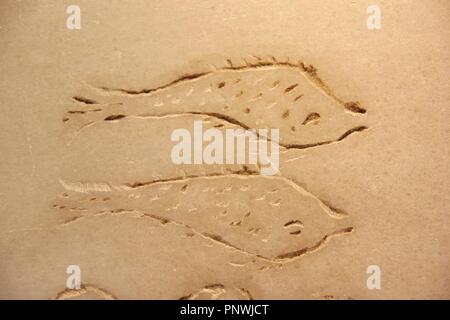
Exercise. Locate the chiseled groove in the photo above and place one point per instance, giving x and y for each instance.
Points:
(196, 76)
(236, 122)
(309, 72)
(289, 256)
(243, 174)
(215, 290)
(279, 259)
(72, 220)
(215, 238)
(84, 100)
(312, 145)
(73, 293)
(182, 79)
(246, 293)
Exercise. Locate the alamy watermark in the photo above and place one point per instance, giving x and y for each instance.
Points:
(374, 19)
(236, 146)
(374, 280)
(74, 19)
(74, 279)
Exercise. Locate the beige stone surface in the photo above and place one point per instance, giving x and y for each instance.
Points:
(87, 177)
